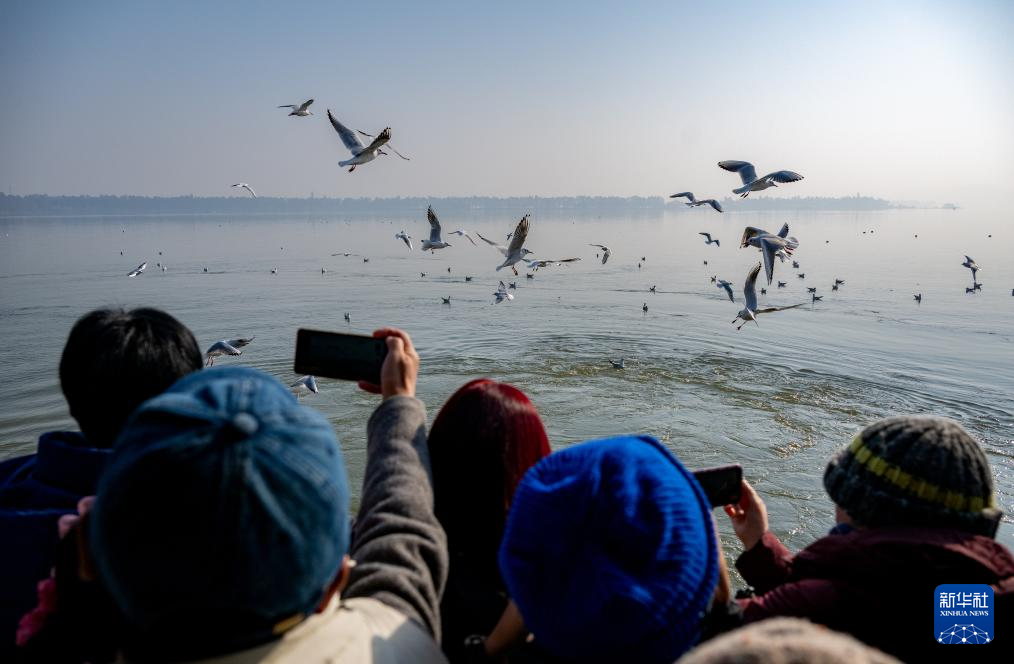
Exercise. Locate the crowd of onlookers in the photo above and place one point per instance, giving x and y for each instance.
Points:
(204, 515)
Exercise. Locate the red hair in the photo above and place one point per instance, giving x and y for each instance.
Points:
(482, 442)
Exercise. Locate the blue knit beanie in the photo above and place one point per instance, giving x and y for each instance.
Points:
(610, 552)
(222, 516)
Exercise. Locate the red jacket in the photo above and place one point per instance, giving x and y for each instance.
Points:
(876, 584)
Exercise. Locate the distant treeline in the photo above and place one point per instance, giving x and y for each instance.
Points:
(43, 205)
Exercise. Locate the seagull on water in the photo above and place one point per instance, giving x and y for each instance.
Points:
(537, 263)
(617, 364)
(780, 245)
(781, 284)
(406, 238)
(795, 265)
(971, 265)
(839, 282)
(360, 154)
(305, 385)
(501, 294)
(644, 307)
(513, 285)
(244, 185)
(801, 275)
(708, 240)
(514, 253)
(348, 317)
(652, 289)
(446, 300)
(811, 290)
(463, 233)
(299, 111)
(750, 311)
(224, 347)
(817, 297)
(434, 242)
(693, 202)
(138, 270)
(751, 182)
(605, 252)
(727, 285)
(917, 298)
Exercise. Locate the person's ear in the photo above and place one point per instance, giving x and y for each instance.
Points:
(341, 579)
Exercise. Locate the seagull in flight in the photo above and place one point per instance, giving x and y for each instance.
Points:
(770, 246)
(971, 265)
(360, 154)
(501, 294)
(708, 240)
(406, 238)
(537, 263)
(727, 285)
(225, 347)
(693, 202)
(247, 187)
(138, 270)
(305, 385)
(434, 242)
(753, 183)
(605, 252)
(299, 111)
(464, 233)
(515, 252)
(750, 311)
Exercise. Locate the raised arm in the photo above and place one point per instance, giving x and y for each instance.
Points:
(398, 545)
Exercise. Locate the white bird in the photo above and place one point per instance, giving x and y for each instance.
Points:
(406, 238)
(770, 246)
(299, 111)
(727, 285)
(617, 364)
(750, 311)
(750, 180)
(225, 347)
(501, 294)
(247, 187)
(693, 202)
(971, 265)
(305, 385)
(138, 270)
(708, 240)
(360, 154)
(514, 252)
(464, 233)
(434, 242)
(605, 252)
(535, 264)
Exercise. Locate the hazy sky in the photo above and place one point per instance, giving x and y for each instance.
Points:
(905, 100)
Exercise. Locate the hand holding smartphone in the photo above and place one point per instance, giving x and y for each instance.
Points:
(342, 356)
(722, 484)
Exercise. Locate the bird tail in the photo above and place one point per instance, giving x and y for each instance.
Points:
(791, 244)
(742, 190)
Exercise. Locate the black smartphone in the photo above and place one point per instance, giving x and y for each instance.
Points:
(721, 484)
(337, 355)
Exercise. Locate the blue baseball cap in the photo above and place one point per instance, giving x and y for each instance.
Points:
(222, 516)
(610, 552)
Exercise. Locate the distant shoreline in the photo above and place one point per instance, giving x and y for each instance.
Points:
(40, 205)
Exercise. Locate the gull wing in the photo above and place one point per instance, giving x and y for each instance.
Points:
(239, 343)
(397, 153)
(748, 233)
(728, 290)
(745, 169)
(713, 203)
(305, 105)
(969, 259)
(768, 310)
(348, 136)
(292, 106)
(469, 237)
(223, 347)
(689, 195)
(378, 142)
(519, 237)
(784, 232)
(783, 176)
(706, 235)
(768, 250)
(750, 288)
(434, 224)
(499, 247)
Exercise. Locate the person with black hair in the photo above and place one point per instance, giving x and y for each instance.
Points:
(113, 361)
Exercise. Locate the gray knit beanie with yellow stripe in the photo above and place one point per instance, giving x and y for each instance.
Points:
(914, 471)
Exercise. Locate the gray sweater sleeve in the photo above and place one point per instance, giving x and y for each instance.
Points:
(398, 545)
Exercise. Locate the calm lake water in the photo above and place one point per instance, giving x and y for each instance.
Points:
(778, 398)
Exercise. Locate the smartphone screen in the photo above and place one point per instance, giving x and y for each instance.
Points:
(721, 484)
(341, 356)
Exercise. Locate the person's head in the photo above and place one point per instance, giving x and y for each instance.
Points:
(115, 360)
(222, 518)
(482, 442)
(610, 552)
(914, 471)
(783, 641)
